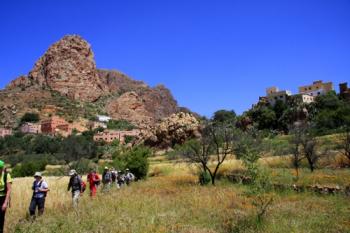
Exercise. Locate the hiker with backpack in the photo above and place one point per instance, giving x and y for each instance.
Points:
(114, 174)
(129, 177)
(77, 186)
(40, 189)
(120, 179)
(94, 181)
(5, 191)
(106, 179)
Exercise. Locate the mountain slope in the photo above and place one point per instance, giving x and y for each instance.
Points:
(65, 81)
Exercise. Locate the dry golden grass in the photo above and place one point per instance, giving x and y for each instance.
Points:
(173, 201)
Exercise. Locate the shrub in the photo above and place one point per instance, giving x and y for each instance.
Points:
(136, 160)
(28, 168)
(82, 166)
(120, 125)
(30, 117)
(204, 178)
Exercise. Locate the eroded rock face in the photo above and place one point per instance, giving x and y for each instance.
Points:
(116, 82)
(21, 82)
(131, 107)
(68, 67)
(172, 130)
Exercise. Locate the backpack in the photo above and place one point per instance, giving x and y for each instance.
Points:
(39, 185)
(107, 177)
(114, 176)
(97, 181)
(83, 186)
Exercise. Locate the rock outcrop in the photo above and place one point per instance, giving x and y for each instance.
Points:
(66, 79)
(68, 67)
(172, 130)
(129, 106)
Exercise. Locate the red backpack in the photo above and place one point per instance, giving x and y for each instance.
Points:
(83, 186)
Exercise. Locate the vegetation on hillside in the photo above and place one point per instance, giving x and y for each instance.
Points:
(328, 114)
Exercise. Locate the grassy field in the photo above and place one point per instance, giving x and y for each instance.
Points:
(172, 201)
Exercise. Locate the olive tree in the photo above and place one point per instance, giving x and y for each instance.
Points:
(211, 149)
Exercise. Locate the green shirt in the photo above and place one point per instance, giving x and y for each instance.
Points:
(2, 183)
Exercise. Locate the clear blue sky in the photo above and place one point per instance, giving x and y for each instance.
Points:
(211, 54)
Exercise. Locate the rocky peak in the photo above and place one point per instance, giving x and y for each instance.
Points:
(68, 67)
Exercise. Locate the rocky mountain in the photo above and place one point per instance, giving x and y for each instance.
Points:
(66, 81)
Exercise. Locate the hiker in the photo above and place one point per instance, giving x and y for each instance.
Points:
(94, 181)
(40, 189)
(5, 191)
(129, 177)
(76, 184)
(114, 174)
(106, 179)
(120, 179)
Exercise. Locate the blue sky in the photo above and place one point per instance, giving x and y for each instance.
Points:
(211, 54)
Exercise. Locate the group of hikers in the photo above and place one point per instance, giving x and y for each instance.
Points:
(110, 177)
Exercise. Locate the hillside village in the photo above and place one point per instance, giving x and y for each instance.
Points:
(306, 94)
(58, 126)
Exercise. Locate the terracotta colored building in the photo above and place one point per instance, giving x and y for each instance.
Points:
(54, 125)
(111, 135)
(5, 132)
(316, 88)
(31, 128)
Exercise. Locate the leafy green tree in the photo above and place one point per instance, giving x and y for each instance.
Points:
(224, 117)
(135, 159)
(42, 144)
(76, 147)
(30, 117)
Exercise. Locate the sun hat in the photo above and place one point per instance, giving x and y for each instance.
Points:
(38, 174)
(72, 172)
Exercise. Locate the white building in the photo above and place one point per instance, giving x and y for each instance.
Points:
(273, 94)
(102, 118)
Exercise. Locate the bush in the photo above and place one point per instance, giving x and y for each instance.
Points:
(136, 160)
(83, 166)
(28, 168)
(204, 178)
(120, 125)
(30, 117)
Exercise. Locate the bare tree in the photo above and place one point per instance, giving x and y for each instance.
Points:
(295, 141)
(309, 144)
(305, 139)
(212, 149)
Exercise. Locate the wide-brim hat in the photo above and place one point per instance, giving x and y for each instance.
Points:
(38, 174)
(72, 172)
